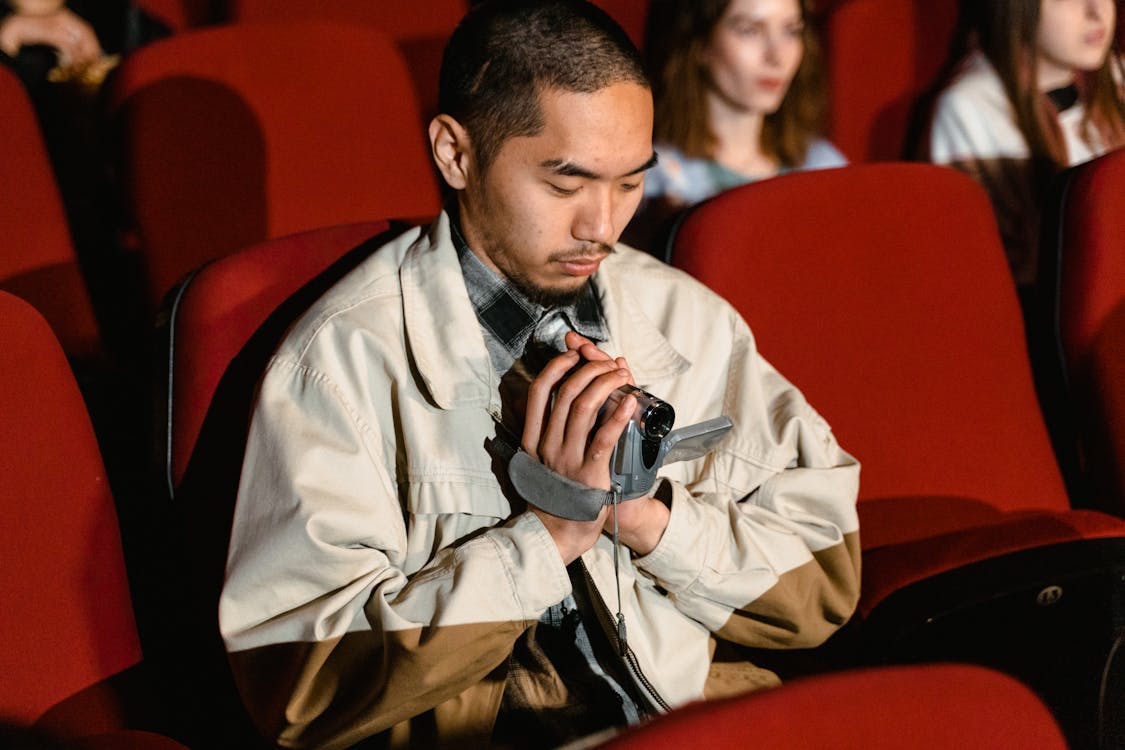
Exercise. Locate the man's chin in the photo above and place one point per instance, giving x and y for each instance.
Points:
(551, 296)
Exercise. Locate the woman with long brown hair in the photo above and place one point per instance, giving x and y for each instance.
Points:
(1038, 90)
(739, 97)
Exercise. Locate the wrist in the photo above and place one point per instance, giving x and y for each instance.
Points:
(650, 521)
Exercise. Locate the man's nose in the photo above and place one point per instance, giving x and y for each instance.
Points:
(594, 221)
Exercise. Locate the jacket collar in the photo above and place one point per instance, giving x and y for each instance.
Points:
(445, 339)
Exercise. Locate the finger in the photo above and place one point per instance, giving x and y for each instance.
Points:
(625, 366)
(575, 340)
(586, 410)
(554, 439)
(592, 353)
(606, 436)
(539, 399)
(89, 49)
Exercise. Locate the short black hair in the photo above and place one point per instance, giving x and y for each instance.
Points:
(505, 52)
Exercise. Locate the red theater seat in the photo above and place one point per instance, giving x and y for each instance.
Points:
(420, 35)
(934, 707)
(38, 262)
(632, 15)
(222, 325)
(217, 310)
(236, 134)
(178, 15)
(1089, 248)
(881, 56)
(70, 655)
(883, 293)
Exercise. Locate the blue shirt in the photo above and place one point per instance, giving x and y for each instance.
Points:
(690, 180)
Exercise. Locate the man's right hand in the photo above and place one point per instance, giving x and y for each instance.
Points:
(564, 433)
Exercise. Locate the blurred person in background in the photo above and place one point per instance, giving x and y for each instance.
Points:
(1033, 89)
(739, 97)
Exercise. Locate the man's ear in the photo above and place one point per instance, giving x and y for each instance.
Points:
(452, 150)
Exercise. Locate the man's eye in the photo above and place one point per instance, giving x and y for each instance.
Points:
(559, 190)
(629, 187)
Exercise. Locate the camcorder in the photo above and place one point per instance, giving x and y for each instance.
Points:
(649, 441)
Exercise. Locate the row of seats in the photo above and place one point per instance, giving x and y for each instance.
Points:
(220, 147)
(965, 519)
(71, 657)
(221, 150)
(881, 54)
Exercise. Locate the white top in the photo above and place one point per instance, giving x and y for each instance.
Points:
(974, 129)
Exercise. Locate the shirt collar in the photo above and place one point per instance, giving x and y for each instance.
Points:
(510, 317)
(1064, 97)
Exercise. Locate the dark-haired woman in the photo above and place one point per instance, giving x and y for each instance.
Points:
(739, 97)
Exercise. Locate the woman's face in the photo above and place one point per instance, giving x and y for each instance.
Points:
(1074, 35)
(754, 52)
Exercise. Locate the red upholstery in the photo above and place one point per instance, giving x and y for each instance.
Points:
(238, 134)
(38, 261)
(223, 305)
(399, 18)
(932, 707)
(1106, 426)
(66, 628)
(420, 36)
(178, 14)
(1092, 279)
(881, 55)
(631, 14)
(882, 291)
(1090, 234)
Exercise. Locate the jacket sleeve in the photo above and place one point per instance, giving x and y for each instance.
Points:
(763, 548)
(330, 638)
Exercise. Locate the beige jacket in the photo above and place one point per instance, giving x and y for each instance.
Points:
(379, 575)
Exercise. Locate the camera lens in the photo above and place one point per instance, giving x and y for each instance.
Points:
(657, 419)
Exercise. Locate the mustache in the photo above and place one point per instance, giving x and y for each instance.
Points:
(592, 250)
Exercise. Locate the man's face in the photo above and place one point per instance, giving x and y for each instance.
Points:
(550, 207)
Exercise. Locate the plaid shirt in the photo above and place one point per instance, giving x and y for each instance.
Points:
(510, 320)
(563, 683)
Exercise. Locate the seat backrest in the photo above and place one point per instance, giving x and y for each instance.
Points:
(178, 15)
(1091, 249)
(38, 261)
(236, 134)
(1083, 266)
(67, 622)
(632, 15)
(421, 36)
(881, 56)
(928, 707)
(217, 310)
(882, 291)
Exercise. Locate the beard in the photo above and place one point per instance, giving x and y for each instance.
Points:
(545, 296)
(563, 295)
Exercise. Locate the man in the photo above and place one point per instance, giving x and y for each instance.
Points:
(385, 578)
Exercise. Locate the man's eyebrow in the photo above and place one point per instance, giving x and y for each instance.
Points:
(570, 169)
